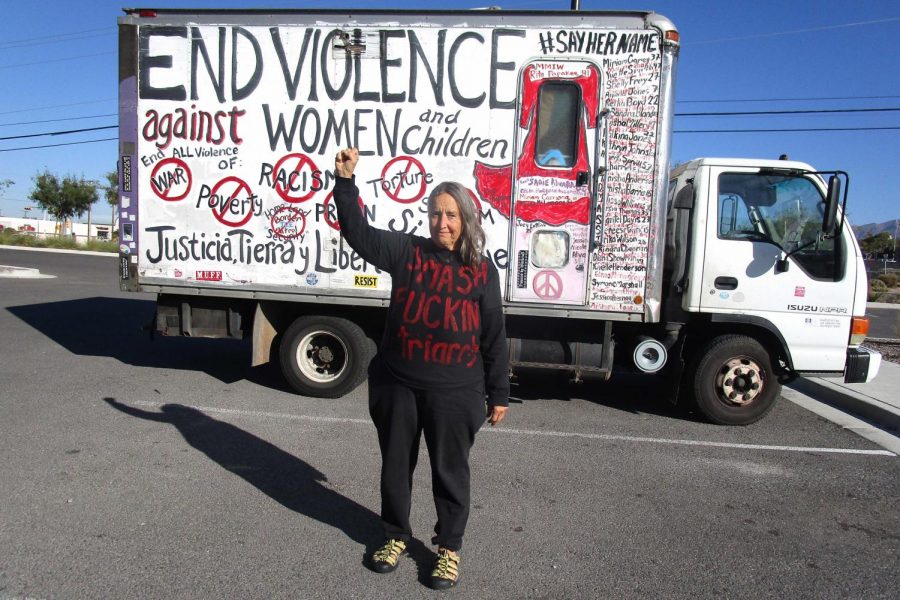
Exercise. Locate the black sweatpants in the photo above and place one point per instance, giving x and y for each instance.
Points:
(449, 419)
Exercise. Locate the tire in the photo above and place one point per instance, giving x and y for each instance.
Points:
(325, 357)
(733, 381)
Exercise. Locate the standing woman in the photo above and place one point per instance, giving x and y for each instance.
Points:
(443, 350)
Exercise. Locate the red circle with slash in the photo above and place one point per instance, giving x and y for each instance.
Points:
(185, 174)
(404, 164)
(220, 217)
(331, 217)
(288, 222)
(303, 161)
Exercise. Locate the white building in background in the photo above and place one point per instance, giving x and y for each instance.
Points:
(47, 228)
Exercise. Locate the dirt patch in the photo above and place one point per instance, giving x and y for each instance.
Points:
(889, 351)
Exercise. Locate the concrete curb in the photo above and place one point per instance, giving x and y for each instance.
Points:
(861, 427)
(65, 251)
(838, 396)
(882, 305)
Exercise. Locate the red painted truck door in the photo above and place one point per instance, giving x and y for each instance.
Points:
(553, 182)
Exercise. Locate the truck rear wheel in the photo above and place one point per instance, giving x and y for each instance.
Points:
(325, 357)
(734, 383)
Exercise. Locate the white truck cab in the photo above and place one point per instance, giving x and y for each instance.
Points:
(768, 258)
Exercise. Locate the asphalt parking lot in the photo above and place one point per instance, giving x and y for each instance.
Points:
(170, 468)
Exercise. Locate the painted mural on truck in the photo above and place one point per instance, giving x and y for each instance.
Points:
(553, 131)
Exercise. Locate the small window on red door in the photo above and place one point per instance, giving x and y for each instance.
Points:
(557, 125)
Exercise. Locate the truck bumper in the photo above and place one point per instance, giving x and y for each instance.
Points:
(862, 365)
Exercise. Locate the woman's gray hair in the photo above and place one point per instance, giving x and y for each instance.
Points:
(472, 235)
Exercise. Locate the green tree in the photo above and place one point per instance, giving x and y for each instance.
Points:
(5, 183)
(878, 244)
(64, 198)
(111, 192)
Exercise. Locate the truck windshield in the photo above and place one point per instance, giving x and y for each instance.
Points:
(782, 210)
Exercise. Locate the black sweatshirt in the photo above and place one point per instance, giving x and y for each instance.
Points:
(445, 324)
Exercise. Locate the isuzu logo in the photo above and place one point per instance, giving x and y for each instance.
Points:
(829, 310)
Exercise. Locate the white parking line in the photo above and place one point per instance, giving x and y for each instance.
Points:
(629, 438)
(537, 433)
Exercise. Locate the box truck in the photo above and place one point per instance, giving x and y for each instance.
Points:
(726, 276)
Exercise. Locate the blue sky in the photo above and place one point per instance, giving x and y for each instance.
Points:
(58, 72)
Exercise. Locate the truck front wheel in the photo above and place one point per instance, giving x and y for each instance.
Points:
(325, 357)
(734, 383)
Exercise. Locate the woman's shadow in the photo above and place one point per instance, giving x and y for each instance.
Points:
(283, 477)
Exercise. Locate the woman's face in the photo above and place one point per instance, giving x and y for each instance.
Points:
(445, 222)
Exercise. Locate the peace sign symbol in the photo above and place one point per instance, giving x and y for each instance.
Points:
(547, 285)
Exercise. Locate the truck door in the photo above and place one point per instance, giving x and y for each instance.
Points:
(553, 182)
(754, 219)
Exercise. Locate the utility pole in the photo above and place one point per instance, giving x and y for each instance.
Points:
(896, 226)
(94, 183)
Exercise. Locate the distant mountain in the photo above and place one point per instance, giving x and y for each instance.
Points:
(869, 229)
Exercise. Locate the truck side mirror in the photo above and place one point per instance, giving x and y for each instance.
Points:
(831, 203)
(782, 265)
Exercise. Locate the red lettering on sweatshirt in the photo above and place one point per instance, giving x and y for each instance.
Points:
(438, 301)
(444, 353)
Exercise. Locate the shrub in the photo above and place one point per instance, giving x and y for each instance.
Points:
(101, 246)
(877, 285)
(890, 279)
(10, 237)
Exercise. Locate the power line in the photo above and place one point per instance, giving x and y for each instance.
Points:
(702, 114)
(53, 60)
(697, 114)
(792, 32)
(71, 37)
(47, 37)
(785, 130)
(68, 132)
(21, 110)
(57, 145)
(719, 101)
(786, 112)
(57, 120)
(725, 101)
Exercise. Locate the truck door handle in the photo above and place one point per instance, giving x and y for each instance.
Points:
(726, 283)
(581, 179)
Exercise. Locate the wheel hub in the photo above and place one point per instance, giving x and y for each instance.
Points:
(321, 356)
(324, 354)
(740, 381)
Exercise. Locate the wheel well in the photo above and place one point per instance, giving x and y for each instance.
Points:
(369, 318)
(273, 318)
(701, 333)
